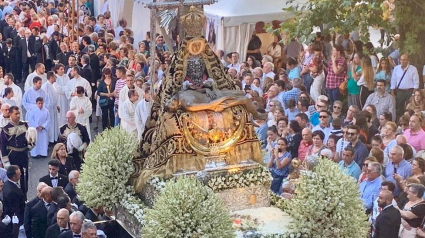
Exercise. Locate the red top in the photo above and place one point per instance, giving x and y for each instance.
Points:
(334, 80)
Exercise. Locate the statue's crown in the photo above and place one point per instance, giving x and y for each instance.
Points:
(193, 22)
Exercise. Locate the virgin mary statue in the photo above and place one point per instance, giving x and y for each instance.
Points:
(198, 116)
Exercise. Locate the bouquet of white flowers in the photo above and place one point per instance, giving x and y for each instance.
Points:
(107, 168)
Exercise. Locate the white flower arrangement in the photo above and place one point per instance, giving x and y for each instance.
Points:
(134, 206)
(326, 204)
(107, 168)
(157, 183)
(240, 179)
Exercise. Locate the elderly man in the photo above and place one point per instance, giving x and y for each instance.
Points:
(38, 72)
(370, 187)
(305, 143)
(76, 220)
(75, 136)
(348, 165)
(397, 168)
(415, 134)
(61, 225)
(4, 116)
(399, 140)
(73, 178)
(294, 93)
(38, 214)
(29, 205)
(89, 230)
(404, 80)
(389, 220)
(383, 101)
(268, 70)
(272, 94)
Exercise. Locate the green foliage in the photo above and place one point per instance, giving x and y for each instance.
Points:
(327, 204)
(107, 168)
(186, 208)
(344, 16)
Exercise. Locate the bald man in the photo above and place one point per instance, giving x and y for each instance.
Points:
(61, 225)
(388, 222)
(75, 136)
(29, 205)
(38, 214)
(400, 139)
(305, 143)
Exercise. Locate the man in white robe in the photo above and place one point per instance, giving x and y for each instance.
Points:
(76, 81)
(8, 82)
(82, 108)
(52, 106)
(40, 72)
(30, 95)
(127, 112)
(143, 110)
(123, 96)
(39, 118)
(61, 87)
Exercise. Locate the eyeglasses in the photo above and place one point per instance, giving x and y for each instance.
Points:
(323, 116)
(336, 107)
(365, 164)
(320, 105)
(351, 134)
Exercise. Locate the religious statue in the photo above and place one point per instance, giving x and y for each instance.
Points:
(199, 117)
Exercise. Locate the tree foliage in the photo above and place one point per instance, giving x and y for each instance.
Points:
(345, 16)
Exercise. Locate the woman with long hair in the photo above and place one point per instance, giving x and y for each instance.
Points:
(417, 101)
(354, 75)
(369, 50)
(106, 102)
(66, 162)
(366, 81)
(275, 51)
(252, 62)
(372, 110)
(280, 160)
(384, 73)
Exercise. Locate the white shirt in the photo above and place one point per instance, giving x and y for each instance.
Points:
(410, 80)
(237, 67)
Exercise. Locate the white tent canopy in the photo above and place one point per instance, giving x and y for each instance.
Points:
(236, 20)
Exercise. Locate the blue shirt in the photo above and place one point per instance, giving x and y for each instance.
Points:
(285, 170)
(262, 135)
(294, 73)
(403, 169)
(352, 170)
(291, 94)
(361, 152)
(369, 191)
(291, 114)
(314, 119)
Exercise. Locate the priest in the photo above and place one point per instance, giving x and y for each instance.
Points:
(52, 106)
(39, 118)
(76, 81)
(61, 87)
(143, 110)
(82, 108)
(38, 72)
(127, 112)
(34, 92)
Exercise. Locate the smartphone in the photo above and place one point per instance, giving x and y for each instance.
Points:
(247, 87)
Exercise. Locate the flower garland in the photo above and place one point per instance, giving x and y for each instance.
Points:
(134, 206)
(241, 179)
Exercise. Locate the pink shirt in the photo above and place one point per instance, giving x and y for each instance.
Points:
(416, 140)
(302, 150)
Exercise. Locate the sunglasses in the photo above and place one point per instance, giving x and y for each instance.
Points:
(365, 164)
(323, 116)
(336, 107)
(351, 134)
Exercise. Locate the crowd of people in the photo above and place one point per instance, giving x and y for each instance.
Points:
(334, 98)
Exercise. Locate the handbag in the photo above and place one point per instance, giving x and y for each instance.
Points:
(343, 88)
(103, 102)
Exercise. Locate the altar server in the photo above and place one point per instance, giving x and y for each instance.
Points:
(76, 81)
(38, 72)
(82, 107)
(143, 110)
(17, 91)
(30, 96)
(52, 106)
(61, 87)
(129, 84)
(127, 112)
(39, 118)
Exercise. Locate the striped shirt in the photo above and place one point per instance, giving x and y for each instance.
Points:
(118, 86)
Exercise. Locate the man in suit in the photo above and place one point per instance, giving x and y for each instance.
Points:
(54, 46)
(89, 230)
(94, 63)
(76, 220)
(9, 56)
(73, 177)
(72, 62)
(61, 225)
(86, 70)
(26, 47)
(3, 222)
(388, 222)
(54, 179)
(29, 205)
(63, 54)
(54, 208)
(63, 202)
(14, 198)
(38, 214)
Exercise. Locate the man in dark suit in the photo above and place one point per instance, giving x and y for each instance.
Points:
(14, 199)
(388, 222)
(72, 62)
(64, 202)
(73, 177)
(54, 46)
(63, 54)
(26, 47)
(94, 63)
(9, 57)
(54, 179)
(86, 70)
(76, 220)
(38, 214)
(29, 205)
(54, 208)
(61, 225)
